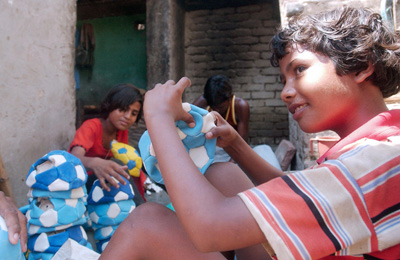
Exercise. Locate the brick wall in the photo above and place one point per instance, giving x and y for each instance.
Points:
(234, 41)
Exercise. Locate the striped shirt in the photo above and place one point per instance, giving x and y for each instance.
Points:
(348, 205)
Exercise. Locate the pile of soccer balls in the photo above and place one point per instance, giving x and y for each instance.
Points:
(200, 149)
(107, 209)
(57, 204)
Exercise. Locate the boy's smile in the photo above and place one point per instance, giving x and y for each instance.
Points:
(315, 95)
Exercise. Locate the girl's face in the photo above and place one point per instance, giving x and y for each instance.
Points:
(316, 96)
(122, 120)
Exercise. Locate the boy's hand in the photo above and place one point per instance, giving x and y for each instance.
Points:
(15, 221)
(224, 132)
(165, 100)
(105, 170)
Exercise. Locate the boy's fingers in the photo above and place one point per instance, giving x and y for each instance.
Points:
(188, 119)
(183, 83)
(218, 118)
(24, 231)
(13, 221)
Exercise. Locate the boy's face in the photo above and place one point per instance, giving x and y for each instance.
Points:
(222, 107)
(317, 97)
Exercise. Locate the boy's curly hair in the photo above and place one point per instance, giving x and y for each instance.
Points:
(352, 38)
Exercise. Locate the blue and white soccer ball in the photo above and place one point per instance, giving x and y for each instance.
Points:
(98, 195)
(80, 192)
(57, 171)
(103, 232)
(101, 245)
(49, 212)
(112, 213)
(40, 256)
(52, 241)
(200, 149)
(35, 229)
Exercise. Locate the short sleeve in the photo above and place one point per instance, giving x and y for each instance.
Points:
(86, 135)
(332, 209)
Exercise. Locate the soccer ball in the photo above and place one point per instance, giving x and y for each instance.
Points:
(57, 171)
(77, 193)
(103, 232)
(40, 256)
(112, 213)
(52, 241)
(128, 156)
(49, 212)
(200, 149)
(101, 245)
(35, 229)
(100, 196)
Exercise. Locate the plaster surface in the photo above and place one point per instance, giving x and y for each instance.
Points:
(37, 87)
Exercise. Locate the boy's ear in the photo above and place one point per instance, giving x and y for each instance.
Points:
(364, 74)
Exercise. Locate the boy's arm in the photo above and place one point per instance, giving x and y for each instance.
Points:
(210, 219)
(252, 164)
(200, 102)
(243, 115)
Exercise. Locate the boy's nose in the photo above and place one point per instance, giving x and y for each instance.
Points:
(288, 93)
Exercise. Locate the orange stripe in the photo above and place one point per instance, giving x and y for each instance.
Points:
(271, 221)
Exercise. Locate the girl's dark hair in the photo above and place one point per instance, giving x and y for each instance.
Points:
(218, 89)
(121, 97)
(352, 38)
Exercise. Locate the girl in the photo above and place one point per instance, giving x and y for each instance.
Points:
(121, 108)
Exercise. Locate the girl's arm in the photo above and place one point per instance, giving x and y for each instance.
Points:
(105, 170)
(212, 221)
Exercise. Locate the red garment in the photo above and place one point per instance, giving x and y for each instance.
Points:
(349, 204)
(89, 136)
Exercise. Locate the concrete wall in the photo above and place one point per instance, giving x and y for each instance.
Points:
(164, 27)
(37, 107)
(235, 41)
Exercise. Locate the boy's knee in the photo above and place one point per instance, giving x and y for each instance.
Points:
(148, 212)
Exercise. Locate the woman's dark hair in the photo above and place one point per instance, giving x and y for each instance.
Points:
(352, 38)
(217, 90)
(121, 97)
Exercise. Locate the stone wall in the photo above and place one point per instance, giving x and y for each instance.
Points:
(235, 42)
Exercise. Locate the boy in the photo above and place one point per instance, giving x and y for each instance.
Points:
(218, 97)
(336, 69)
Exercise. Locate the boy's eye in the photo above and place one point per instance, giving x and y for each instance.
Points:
(300, 69)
